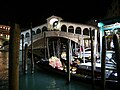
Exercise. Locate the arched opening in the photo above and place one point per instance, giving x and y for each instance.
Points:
(33, 32)
(78, 30)
(22, 35)
(86, 31)
(71, 29)
(27, 35)
(38, 31)
(64, 28)
(44, 29)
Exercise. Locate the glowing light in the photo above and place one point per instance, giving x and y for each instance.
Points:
(1, 34)
(115, 74)
(4, 27)
(100, 24)
(53, 20)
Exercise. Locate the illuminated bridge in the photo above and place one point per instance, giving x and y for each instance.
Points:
(56, 27)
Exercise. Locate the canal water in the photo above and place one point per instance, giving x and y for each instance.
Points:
(38, 80)
(3, 70)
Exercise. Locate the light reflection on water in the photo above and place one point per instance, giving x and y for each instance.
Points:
(48, 81)
(45, 81)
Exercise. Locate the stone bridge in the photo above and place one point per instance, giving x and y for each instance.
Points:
(74, 31)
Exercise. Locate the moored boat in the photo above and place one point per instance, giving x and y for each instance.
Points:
(81, 72)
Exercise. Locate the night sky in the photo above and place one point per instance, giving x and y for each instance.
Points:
(24, 12)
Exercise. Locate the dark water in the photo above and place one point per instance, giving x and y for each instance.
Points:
(45, 81)
(38, 80)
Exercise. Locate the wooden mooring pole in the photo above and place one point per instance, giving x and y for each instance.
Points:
(32, 61)
(92, 60)
(103, 81)
(22, 52)
(14, 44)
(68, 61)
(25, 59)
(116, 41)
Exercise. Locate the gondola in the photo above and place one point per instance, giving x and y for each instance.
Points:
(82, 74)
(56, 46)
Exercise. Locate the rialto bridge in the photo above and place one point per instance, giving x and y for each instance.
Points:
(56, 27)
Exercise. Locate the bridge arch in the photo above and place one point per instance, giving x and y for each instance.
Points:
(39, 39)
